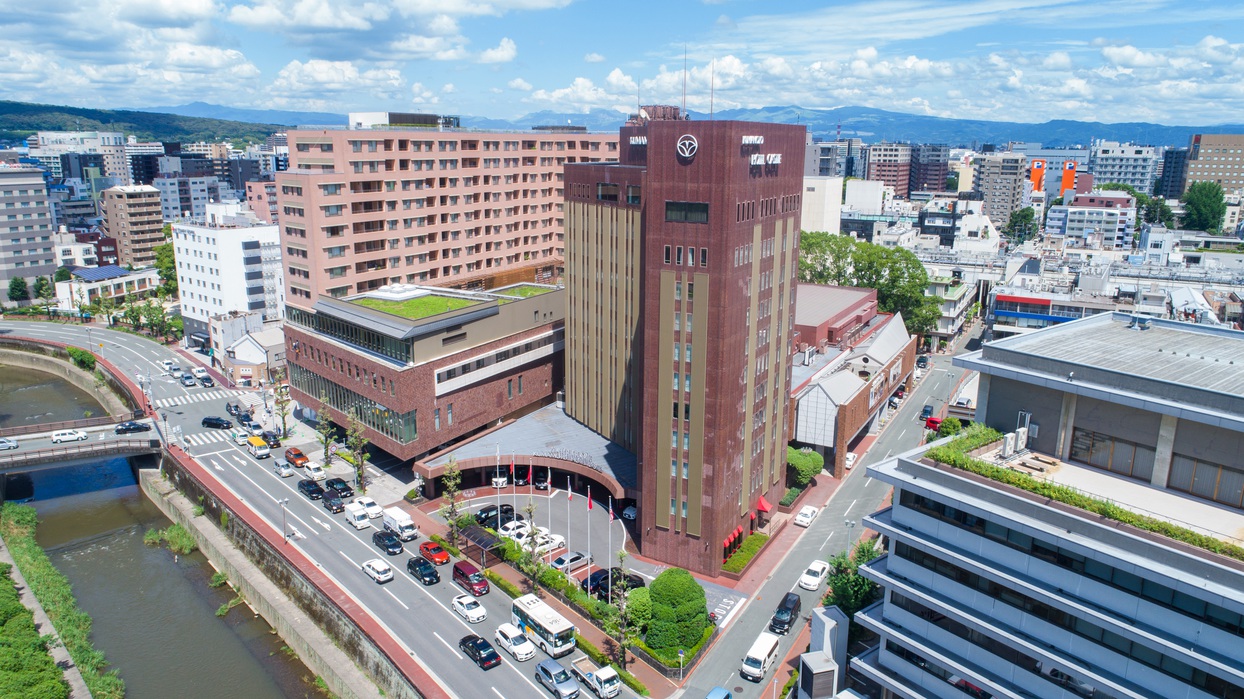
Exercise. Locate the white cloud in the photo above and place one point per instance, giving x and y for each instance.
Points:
(1131, 57)
(448, 88)
(159, 13)
(504, 52)
(422, 95)
(436, 48)
(443, 25)
(1059, 60)
(334, 15)
(594, 57)
(519, 84)
(475, 8)
(582, 95)
(317, 76)
(620, 82)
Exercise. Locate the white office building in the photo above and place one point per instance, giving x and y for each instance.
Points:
(47, 147)
(186, 197)
(1125, 163)
(227, 261)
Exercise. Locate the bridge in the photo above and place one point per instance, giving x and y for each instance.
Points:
(79, 450)
(23, 430)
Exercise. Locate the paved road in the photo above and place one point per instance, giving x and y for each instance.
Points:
(419, 617)
(828, 536)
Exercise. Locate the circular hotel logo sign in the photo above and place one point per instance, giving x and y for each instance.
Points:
(687, 146)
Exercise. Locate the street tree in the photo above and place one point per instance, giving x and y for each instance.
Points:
(155, 319)
(18, 291)
(281, 401)
(952, 182)
(1022, 225)
(45, 291)
(324, 429)
(451, 487)
(622, 625)
(63, 275)
(166, 265)
(849, 590)
(356, 443)
(532, 561)
(1204, 207)
(825, 258)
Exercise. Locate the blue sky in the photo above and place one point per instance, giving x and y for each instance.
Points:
(1166, 61)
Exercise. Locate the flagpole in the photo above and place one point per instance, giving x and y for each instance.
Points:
(495, 471)
(609, 551)
(589, 527)
(569, 495)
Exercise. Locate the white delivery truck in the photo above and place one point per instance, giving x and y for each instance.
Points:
(603, 681)
(357, 516)
(399, 522)
(761, 657)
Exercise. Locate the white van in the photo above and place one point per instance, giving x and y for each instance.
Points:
(199, 372)
(761, 657)
(68, 436)
(258, 448)
(357, 516)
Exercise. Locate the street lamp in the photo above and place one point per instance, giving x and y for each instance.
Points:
(850, 524)
(284, 531)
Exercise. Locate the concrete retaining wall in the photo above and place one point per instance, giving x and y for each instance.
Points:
(337, 638)
(65, 370)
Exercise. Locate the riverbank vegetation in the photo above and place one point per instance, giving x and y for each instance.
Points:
(178, 539)
(52, 589)
(26, 667)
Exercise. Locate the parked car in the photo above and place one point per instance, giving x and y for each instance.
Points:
(340, 486)
(68, 436)
(933, 423)
(815, 575)
(332, 501)
(434, 553)
(270, 438)
(618, 580)
(571, 560)
(479, 651)
(554, 677)
(282, 468)
(513, 641)
(311, 489)
(487, 515)
(295, 457)
(423, 570)
(514, 530)
(851, 457)
(188, 381)
(388, 542)
(373, 510)
(206, 381)
(541, 481)
(594, 581)
(469, 608)
(550, 542)
(630, 512)
(131, 427)
(522, 475)
(922, 361)
(216, 423)
(926, 412)
(7, 443)
(806, 516)
(378, 570)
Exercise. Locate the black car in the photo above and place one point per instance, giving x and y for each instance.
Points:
(206, 381)
(541, 481)
(340, 486)
(423, 570)
(388, 542)
(270, 438)
(618, 580)
(926, 412)
(216, 423)
(521, 475)
(594, 582)
(128, 427)
(479, 651)
(487, 516)
(333, 502)
(922, 361)
(311, 489)
(787, 613)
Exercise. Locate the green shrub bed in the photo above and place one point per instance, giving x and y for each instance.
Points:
(792, 494)
(52, 589)
(504, 585)
(669, 656)
(745, 553)
(26, 667)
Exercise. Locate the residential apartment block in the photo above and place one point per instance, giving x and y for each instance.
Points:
(362, 209)
(1097, 220)
(681, 263)
(227, 262)
(25, 225)
(1124, 163)
(1216, 158)
(1174, 173)
(132, 216)
(891, 164)
(994, 590)
(48, 146)
(930, 166)
(1002, 181)
(186, 197)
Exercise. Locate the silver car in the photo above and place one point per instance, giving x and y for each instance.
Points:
(6, 443)
(554, 677)
(571, 560)
(282, 468)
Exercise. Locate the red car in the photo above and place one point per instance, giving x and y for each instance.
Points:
(434, 553)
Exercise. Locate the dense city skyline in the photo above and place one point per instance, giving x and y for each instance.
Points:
(1153, 60)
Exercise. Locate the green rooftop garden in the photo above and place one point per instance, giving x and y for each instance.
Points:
(956, 454)
(524, 291)
(417, 307)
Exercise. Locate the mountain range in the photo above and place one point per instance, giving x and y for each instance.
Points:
(203, 121)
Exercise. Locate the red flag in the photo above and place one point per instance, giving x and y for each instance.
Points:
(611, 515)
(511, 466)
(589, 497)
(569, 492)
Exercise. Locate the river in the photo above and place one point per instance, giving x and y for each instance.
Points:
(154, 613)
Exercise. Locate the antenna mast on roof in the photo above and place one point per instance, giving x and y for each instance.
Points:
(684, 81)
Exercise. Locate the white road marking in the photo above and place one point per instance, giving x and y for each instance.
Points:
(451, 648)
(395, 599)
(844, 514)
(494, 691)
(831, 535)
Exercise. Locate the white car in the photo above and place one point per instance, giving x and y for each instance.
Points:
(806, 516)
(378, 570)
(7, 443)
(315, 472)
(510, 638)
(544, 544)
(514, 530)
(469, 608)
(68, 436)
(500, 482)
(373, 510)
(815, 575)
(524, 537)
(851, 457)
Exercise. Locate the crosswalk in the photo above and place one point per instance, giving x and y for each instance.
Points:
(201, 439)
(208, 395)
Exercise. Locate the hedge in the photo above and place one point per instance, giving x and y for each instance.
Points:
(955, 454)
(669, 656)
(453, 550)
(82, 358)
(792, 494)
(746, 551)
(26, 667)
(504, 585)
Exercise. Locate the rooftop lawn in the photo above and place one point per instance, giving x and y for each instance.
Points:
(418, 307)
(525, 291)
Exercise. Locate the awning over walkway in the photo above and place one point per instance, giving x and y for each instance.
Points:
(763, 505)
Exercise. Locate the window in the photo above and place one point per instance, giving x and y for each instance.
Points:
(677, 291)
(668, 249)
(520, 385)
(673, 511)
(509, 388)
(606, 191)
(673, 468)
(684, 508)
(685, 469)
(436, 418)
(450, 414)
(686, 211)
(678, 255)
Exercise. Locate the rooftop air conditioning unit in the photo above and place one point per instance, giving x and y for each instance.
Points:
(1021, 439)
(1008, 445)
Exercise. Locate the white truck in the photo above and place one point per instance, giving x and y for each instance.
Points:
(603, 681)
(399, 522)
(357, 516)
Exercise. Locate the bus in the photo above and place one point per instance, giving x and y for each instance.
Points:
(545, 627)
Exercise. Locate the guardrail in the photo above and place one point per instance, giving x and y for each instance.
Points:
(70, 424)
(102, 448)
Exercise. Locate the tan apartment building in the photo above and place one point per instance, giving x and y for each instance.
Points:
(382, 204)
(891, 163)
(133, 217)
(1216, 158)
(1002, 181)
